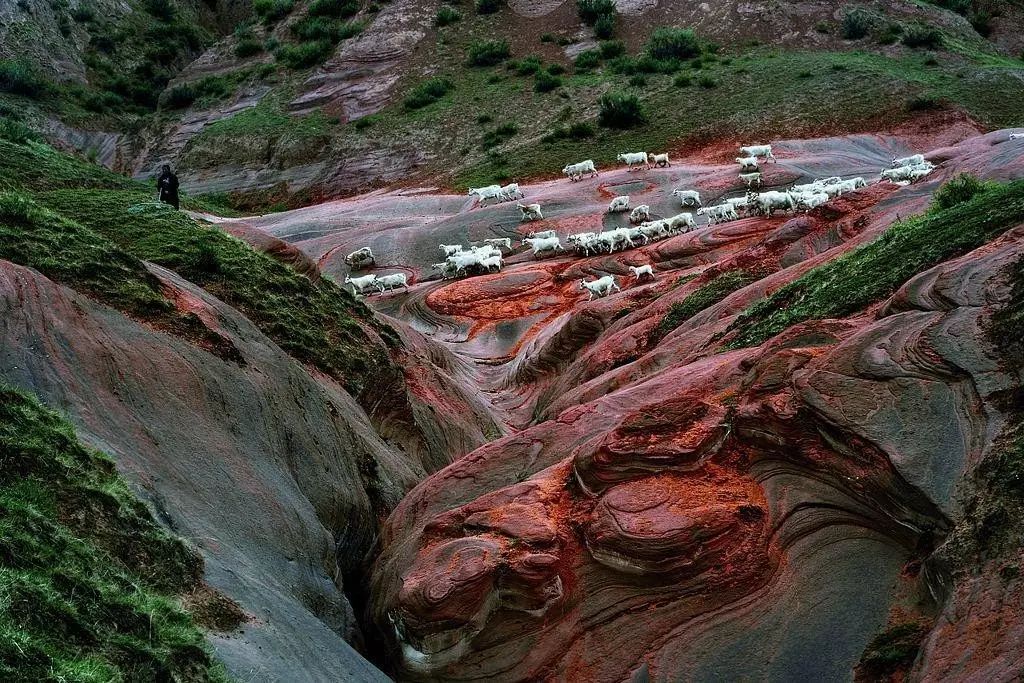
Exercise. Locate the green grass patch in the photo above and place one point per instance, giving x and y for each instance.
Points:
(893, 649)
(703, 297)
(446, 16)
(320, 324)
(874, 271)
(488, 52)
(19, 77)
(428, 92)
(620, 110)
(272, 11)
(87, 578)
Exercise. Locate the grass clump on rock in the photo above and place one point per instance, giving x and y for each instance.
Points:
(428, 92)
(874, 271)
(620, 110)
(488, 52)
(88, 580)
(447, 16)
(703, 297)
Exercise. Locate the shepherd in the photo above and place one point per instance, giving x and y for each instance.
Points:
(167, 186)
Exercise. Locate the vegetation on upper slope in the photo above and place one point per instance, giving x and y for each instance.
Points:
(87, 578)
(320, 324)
(705, 296)
(961, 220)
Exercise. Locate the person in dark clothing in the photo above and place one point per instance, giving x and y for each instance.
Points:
(167, 186)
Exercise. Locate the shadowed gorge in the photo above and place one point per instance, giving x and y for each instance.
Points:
(523, 341)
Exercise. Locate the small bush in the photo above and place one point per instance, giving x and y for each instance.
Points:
(247, 47)
(805, 74)
(924, 103)
(889, 34)
(919, 35)
(981, 20)
(620, 110)
(546, 82)
(21, 78)
(682, 81)
(586, 60)
(304, 55)
(333, 8)
(547, 37)
(428, 92)
(315, 28)
(673, 43)
(487, 6)
(604, 27)
(493, 138)
(446, 16)
(708, 82)
(592, 10)
(638, 81)
(962, 188)
(17, 132)
(610, 49)
(856, 24)
(484, 118)
(556, 69)
(83, 14)
(270, 11)
(488, 52)
(527, 66)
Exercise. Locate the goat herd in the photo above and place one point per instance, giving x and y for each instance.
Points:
(488, 257)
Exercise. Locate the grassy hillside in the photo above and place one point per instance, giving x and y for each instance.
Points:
(88, 580)
(965, 215)
(110, 224)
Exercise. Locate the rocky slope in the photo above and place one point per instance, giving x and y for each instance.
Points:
(676, 504)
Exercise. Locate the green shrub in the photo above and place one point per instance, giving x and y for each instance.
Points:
(708, 82)
(527, 66)
(547, 37)
(610, 49)
(604, 27)
(556, 69)
(484, 118)
(924, 103)
(247, 47)
(546, 82)
(428, 92)
(487, 6)
(304, 55)
(21, 78)
(919, 35)
(488, 52)
(620, 110)
(889, 34)
(962, 188)
(83, 14)
(592, 10)
(874, 271)
(446, 16)
(981, 20)
(493, 138)
(682, 81)
(17, 132)
(856, 24)
(333, 8)
(638, 81)
(673, 43)
(580, 130)
(893, 649)
(270, 11)
(586, 60)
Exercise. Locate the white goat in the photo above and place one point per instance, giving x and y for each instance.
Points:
(531, 212)
(758, 151)
(654, 230)
(542, 234)
(600, 287)
(640, 271)
(494, 262)
(680, 222)
(912, 160)
(582, 242)
(751, 179)
(852, 185)
(450, 249)
(361, 284)
(660, 160)
(767, 202)
(720, 213)
(499, 243)
(640, 213)
(511, 191)
(906, 173)
(542, 244)
(620, 203)
(808, 200)
(1017, 136)
(360, 257)
(688, 197)
(747, 163)
(632, 159)
(392, 281)
(575, 171)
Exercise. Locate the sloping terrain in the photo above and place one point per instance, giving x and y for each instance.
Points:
(283, 103)
(769, 463)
